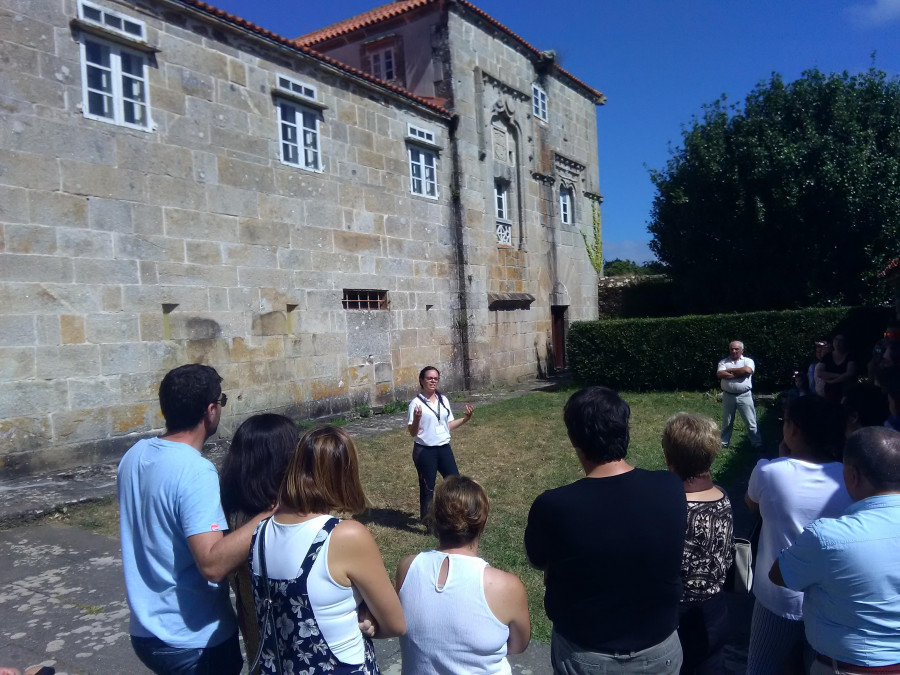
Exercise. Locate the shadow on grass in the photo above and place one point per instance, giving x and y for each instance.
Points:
(397, 520)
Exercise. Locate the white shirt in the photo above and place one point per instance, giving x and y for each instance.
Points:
(791, 493)
(334, 605)
(736, 385)
(434, 425)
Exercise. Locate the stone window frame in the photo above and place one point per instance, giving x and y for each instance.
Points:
(422, 149)
(539, 102)
(566, 205)
(300, 98)
(117, 40)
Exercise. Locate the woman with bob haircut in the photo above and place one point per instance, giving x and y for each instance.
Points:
(249, 480)
(312, 572)
(803, 484)
(430, 421)
(690, 444)
(463, 616)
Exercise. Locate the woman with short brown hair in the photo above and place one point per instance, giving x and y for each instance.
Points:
(312, 571)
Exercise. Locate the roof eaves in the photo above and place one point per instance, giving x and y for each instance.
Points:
(237, 21)
(370, 18)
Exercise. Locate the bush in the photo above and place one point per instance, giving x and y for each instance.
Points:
(681, 353)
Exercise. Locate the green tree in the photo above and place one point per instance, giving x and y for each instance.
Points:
(620, 268)
(791, 200)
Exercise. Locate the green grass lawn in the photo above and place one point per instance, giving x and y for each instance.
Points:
(517, 449)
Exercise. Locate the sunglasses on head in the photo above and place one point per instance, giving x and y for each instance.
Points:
(222, 400)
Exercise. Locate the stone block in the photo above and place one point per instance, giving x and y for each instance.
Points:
(177, 274)
(188, 132)
(250, 256)
(24, 434)
(30, 398)
(200, 225)
(96, 392)
(29, 239)
(384, 372)
(245, 175)
(13, 205)
(126, 419)
(324, 214)
(71, 329)
(167, 99)
(17, 363)
(397, 226)
(112, 328)
(232, 201)
(47, 328)
(175, 193)
(237, 72)
(212, 352)
(218, 299)
(152, 327)
(24, 169)
(94, 180)
(110, 215)
(135, 153)
(190, 326)
(93, 271)
(291, 259)
(142, 386)
(79, 425)
(263, 278)
(84, 243)
(243, 299)
(238, 141)
(141, 357)
(39, 268)
(353, 242)
(148, 273)
(264, 232)
(149, 247)
(203, 252)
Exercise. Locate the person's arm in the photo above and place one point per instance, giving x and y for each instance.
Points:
(462, 420)
(216, 553)
(848, 375)
(775, 575)
(802, 564)
(538, 532)
(354, 555)
(508, 601)
(413, 426)
(402, 569)
(752, 505)
(724, 374)
(743, 371)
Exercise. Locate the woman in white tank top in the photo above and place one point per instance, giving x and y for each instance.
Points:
(462, 616)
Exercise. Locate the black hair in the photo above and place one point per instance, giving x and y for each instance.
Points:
(821, 424)
(185, 393)
(597, 421)
(875, 453)
(868, 402)
(441, 398)
(254, 466)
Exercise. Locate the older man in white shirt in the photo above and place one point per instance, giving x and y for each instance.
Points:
(735, 373)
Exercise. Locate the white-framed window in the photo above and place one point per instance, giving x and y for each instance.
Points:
(113, 21)
(422, 171)
(114, 78)
(299, 131)
(114, 83)
(383, 63)
(501, 200)
(291, 86)
(565, 205)
(538, 102)
(420, 134)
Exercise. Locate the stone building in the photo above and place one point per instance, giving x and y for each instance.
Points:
(317, 218)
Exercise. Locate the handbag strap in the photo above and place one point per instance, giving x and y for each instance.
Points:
(269, 616)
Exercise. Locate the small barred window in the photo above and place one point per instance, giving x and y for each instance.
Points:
(364, 299)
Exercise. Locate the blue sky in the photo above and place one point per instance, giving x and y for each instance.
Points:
(658, 62)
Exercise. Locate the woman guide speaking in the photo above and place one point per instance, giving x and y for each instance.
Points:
(430, 421)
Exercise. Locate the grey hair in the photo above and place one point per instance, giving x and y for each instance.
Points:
(736, 341)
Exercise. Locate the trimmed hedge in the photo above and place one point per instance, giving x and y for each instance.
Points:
(681, 353)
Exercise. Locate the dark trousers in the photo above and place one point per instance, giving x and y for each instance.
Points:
(429, 459)
(702, 630)
(221, 659)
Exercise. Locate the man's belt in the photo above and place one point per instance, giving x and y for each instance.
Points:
(733, 394)
(884, 670)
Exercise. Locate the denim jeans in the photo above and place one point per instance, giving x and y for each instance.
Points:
(744, 405)
(429, 459)
(221, 659)
(660, 659)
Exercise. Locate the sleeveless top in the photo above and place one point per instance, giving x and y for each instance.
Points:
(708, 548)
(450, 629)
(291, 637)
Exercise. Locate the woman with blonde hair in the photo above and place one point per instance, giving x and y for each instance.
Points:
(463, 616)
(312, 571)
(690, 444)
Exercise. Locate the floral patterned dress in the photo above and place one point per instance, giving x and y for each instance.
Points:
(292, 643)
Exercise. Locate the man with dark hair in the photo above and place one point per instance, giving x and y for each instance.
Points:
(610, 546)
(847, 567)
(174, 551)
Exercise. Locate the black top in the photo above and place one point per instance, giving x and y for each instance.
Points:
(612, 550)
(834, 391)
(708, 549)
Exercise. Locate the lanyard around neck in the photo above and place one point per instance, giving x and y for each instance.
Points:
(437, 413)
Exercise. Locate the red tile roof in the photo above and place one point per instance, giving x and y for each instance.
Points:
(370, 18)
(291, 44)
(395, 9)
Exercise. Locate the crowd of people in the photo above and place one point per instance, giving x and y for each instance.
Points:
(634, 561)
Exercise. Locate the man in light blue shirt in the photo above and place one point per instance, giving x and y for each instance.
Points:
(175, 554)
(849, 567)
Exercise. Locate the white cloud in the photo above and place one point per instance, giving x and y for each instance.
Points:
(628, 249)
(877, 13)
